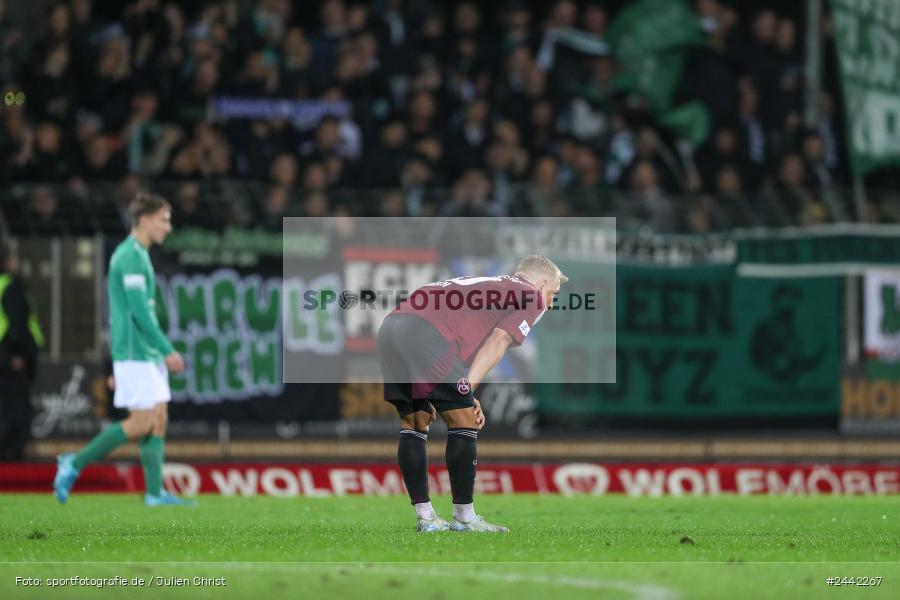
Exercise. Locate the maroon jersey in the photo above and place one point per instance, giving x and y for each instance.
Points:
(465, 310)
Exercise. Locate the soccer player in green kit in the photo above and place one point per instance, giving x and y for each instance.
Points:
(142, 357)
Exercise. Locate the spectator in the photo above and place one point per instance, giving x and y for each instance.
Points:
(723, 150)
(392, 204)
(754, 145)
(326, 142)
(125, 191)
(594, 19)
(733, 208)
(147, 141)
(423, 109)
(296, 74)
(650, 203)
(813, 149)
(416, 179)
(791, 195)
(325, 45)
(786, 104)
(57, 34)
(275, 206)
(700, 214)
(315, 205)
(470, 197)
(20, 340)
(258, 77)
(11, 47)
(432, 40)
(284, 171)
(588, 195)
(431, 150)
(541, 127)
(563, 15)
(100, 162)
(513, 84)
(52, 93)
(830, 136)
(189, 210)
(506, 163)
(108, 90)
(84, 29)
(315, 177)
(467, 140)
(41, 214)
(384, 160)
(257, 144)
(761, 61)
(191, 107)
(51, 161)
(540, 194)
(516, 26)
(206, 155)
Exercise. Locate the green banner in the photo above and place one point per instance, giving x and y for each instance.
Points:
(825, 250)
(702, 342)
(868, 42)
(878, 247)
(228, 327)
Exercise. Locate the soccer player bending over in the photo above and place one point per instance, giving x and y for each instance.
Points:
(142, 357)
(435, 349)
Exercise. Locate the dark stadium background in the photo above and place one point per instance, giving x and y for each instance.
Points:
(116, 103)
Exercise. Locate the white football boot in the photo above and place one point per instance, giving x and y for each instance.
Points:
(431, 525)
(477, 524)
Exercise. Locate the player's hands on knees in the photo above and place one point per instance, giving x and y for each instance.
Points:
(175, 363)
(479, 415)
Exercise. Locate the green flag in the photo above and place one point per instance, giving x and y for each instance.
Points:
(868, 43)
(689, 122)
(648, 38)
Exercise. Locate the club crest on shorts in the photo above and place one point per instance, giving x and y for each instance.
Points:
(463, 386)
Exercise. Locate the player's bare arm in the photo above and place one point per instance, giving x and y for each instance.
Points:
(490, 353)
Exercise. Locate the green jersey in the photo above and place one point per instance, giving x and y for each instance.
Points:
(135, 333)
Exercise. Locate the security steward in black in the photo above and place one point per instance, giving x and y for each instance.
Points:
(20, 340)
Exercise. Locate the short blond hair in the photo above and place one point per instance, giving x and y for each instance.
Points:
(536, 265)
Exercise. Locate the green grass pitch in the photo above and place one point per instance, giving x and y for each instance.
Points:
(365, 547)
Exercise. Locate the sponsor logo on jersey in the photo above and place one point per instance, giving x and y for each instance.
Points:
(135, 281)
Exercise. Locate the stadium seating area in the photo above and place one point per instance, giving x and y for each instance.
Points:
(475, 109)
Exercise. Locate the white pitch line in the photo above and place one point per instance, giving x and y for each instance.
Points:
(639, 591)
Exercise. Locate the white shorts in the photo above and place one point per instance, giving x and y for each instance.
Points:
(140, 385)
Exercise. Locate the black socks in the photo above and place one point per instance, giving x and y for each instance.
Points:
(412, 456)
(462, 457)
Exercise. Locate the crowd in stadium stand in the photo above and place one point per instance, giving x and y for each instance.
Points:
(452, 109)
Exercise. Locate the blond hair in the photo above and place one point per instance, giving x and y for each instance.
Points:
(537, 265)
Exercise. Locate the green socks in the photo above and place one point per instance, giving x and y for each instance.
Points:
(151, 447)
(103, 443)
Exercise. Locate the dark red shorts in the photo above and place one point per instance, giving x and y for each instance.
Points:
(419, 366)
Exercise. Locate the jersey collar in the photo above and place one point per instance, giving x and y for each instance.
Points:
(523, 278)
